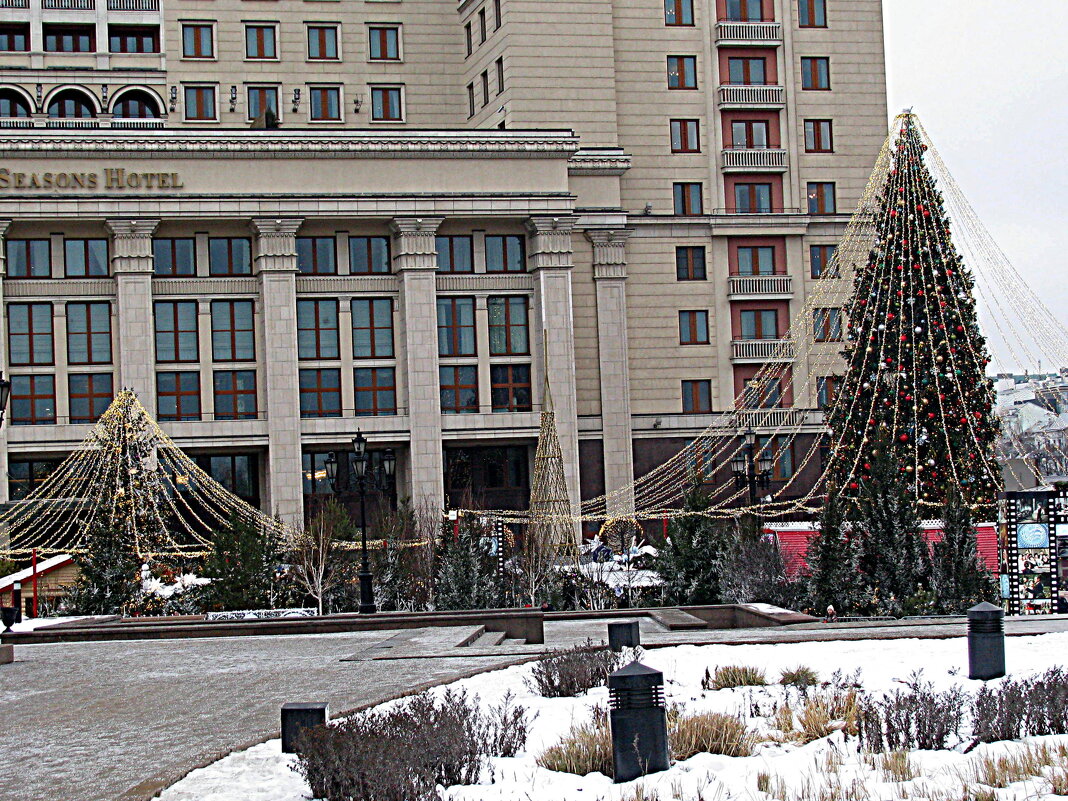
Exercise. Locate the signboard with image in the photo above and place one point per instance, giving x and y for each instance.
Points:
(1029, 527)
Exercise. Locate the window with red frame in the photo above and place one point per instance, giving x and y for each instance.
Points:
(508, 335)
(505, 254)
(316, 255)
(385, 43)
(320, 393)
(376, 391)
(682, 72)
(372, 328)
(90, 395)
(827, 325)
(33, 400)
(816, 73)
(780, 450)
(233, 331)
(690, 263)
(749, 134)
(827, 387)
(235, 394)
(762, 393)
(687, 199)
(459, 389)
(229, 256)
(176, 331)
(510, 387)
(456, 326)
(745, 11)
(369, 255)
(678, 13)
(758, 260)
(317, 329)
(818, 137)
(29, 334)
(89, 333)
(697, 397)
(812, 13)
(454, 254)
(747, 71)
(386, 104)
(685, 136)
(820, 258)
(177, 397)
(693, 327)
(821, 199)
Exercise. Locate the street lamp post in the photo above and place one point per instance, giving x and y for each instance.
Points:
(750, 469)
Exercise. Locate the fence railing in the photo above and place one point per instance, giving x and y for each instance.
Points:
(765, 350)
(15, 122)
(752, 95)
(133, 5)
(14, 3)
(760, 285)
(135, 123)
(69, 5)
(749, 31)
(754, 158)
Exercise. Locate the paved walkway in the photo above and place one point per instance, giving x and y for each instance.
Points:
(89, 721)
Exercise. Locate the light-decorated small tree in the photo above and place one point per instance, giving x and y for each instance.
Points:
(691, 559)
(108, 573)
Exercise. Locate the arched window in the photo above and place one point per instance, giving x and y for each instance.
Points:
(70, 105)
(12, 104)
(136, 106)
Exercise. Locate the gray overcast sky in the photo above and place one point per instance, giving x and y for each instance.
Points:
(989, 80)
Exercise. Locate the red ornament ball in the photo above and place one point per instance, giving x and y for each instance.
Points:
(904, 438)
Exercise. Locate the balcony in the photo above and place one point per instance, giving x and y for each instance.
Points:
(118, 122)
(763, 286)
(133, 5)
(762, 350)
(751, 96)
(83, 123)
(748, 33)
(16, 122)
(754, 159)
(69, 5)
(14, 3)
(773, 418)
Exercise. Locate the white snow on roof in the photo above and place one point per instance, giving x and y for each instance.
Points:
(42, 567)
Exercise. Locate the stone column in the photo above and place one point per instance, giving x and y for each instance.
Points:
(4, 496)
(276, 268)
(415, 262)
(610, 278)
(131, 263)
(552, 259)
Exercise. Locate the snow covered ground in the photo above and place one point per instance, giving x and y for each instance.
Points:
(800, 772)
(29, 624)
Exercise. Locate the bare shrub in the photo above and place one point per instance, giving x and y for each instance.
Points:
(834, 709)
(915, 718)
(801, 677)
(708, 733)
(1022, 708)
(733, 676)
(566, 674)
(586, 748)
(404, 753)
(897, 767)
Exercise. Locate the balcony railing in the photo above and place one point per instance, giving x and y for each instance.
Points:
(727, 31)
(16, 122)
(751, 95)
(135, 123)
(756, 158)
(760, 285)
(72, 124)
(14, 3)
(133, 5)
(69, 5)
(773, 418)
(763, 350)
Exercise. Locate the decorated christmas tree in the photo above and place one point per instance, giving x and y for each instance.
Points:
(915, 386)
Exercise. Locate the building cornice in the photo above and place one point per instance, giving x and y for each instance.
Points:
(599, 162)
(277, 144)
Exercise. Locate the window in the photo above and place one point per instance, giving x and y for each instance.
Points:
(746, 71)
(818, 136)
(174, 256)
(693, 327)
(262, 99)
(317, 329)
(454, 254)
(500, 75)
(322, 42)
(136, 105)
(467, 39)
(749, 134)
(485, 87)
(761, 393)
(200, 102)
(260, 41)
(756, 260)
(386, 104)
(90, 395)
(459, 389)
(176, 331)
(781, 451)
(316, 255)
(25, 475)
(505, 254)
(812, 13)
(470, 100)
(508, 334)
(235, 394)
(372, 328)
(315, 480)
(827, 390)
(687, 199)
(385, 44)
(497, 15)
(13, 104)
(678, 12)
(70, 105)
(236, 472)
(682, 72)
(229, 256)
(197, 41)
(481, 25)
(376, 391)
(325, 104)
(697, 397)
(369, 254)
(69, 38)
(821, 198)
(690, 263)
(85, 258)
(685, 137)
(29, 334)
(816, 73)
(744, 11)
(456, 326)
(827, 325)
(89, 333)
(320, 393)
(752, 198)
(29, 258)
(510, 387)
(177, 396)
(33, 400)
(233, 333)
(14, 38)
(133, 39)
(759, 323)
(820, 259)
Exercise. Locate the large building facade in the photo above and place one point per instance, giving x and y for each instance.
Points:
(466, 208)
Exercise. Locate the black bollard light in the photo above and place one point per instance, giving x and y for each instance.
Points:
(16, 600)
(639, 721)
(624, 635)
(298, 717)
(986, 642)
(7, 617)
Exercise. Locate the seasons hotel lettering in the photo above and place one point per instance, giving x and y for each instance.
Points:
(108, 178)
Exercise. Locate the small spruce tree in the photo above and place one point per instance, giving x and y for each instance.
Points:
(959, 578)
(691, 560)
(241, 567)
(109, 573)
(465, 576)
(833, 578)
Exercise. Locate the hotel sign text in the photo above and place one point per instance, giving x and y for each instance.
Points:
(108, 178)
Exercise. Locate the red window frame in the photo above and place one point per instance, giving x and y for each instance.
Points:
(320, 392)
(754, 252)
(812, 13)
(685, 136)
(374, 325)
(747, 63)
(228, 394)
(454, 328)
(762, 393)
(389, 101)
(691, 263)
(515, 306)
(455, 385)
(325, 36)
(811, 80)
(827, 388)
(692, 392)
(260, 42)
(186, 387)
(322, 331)
(174, 331)
(31, 267)
(749, 134)
(682, 72)
(225, 324)
(318, 245)
(822, 197)
(677, 12)
(827, 325)
(368, 242)
(35, 340)
(198, 41)
(203, 106)
(451, 254)
(133, 39)
(510, 388)
(92, 395)
(758, 324)
(89, 333)
(819, 136)
(381, 387)
(690, 327)
(819, 259)
(688, 198)
(379, 35)
(744, 11)
(37, 392)
(512, 252)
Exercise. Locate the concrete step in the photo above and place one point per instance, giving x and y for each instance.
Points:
(511, 643)
(488, 639)
(677, 620)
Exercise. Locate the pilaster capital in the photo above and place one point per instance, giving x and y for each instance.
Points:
(131, 229)
(276, 242)
(275, 227)
(131, 244)
(415, 248)
(4, 225)
(550, 244)
(609, 251)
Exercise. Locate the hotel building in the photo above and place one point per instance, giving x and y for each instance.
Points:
(464, 205)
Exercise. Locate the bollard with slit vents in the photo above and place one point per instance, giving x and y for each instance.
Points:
(639, 721)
